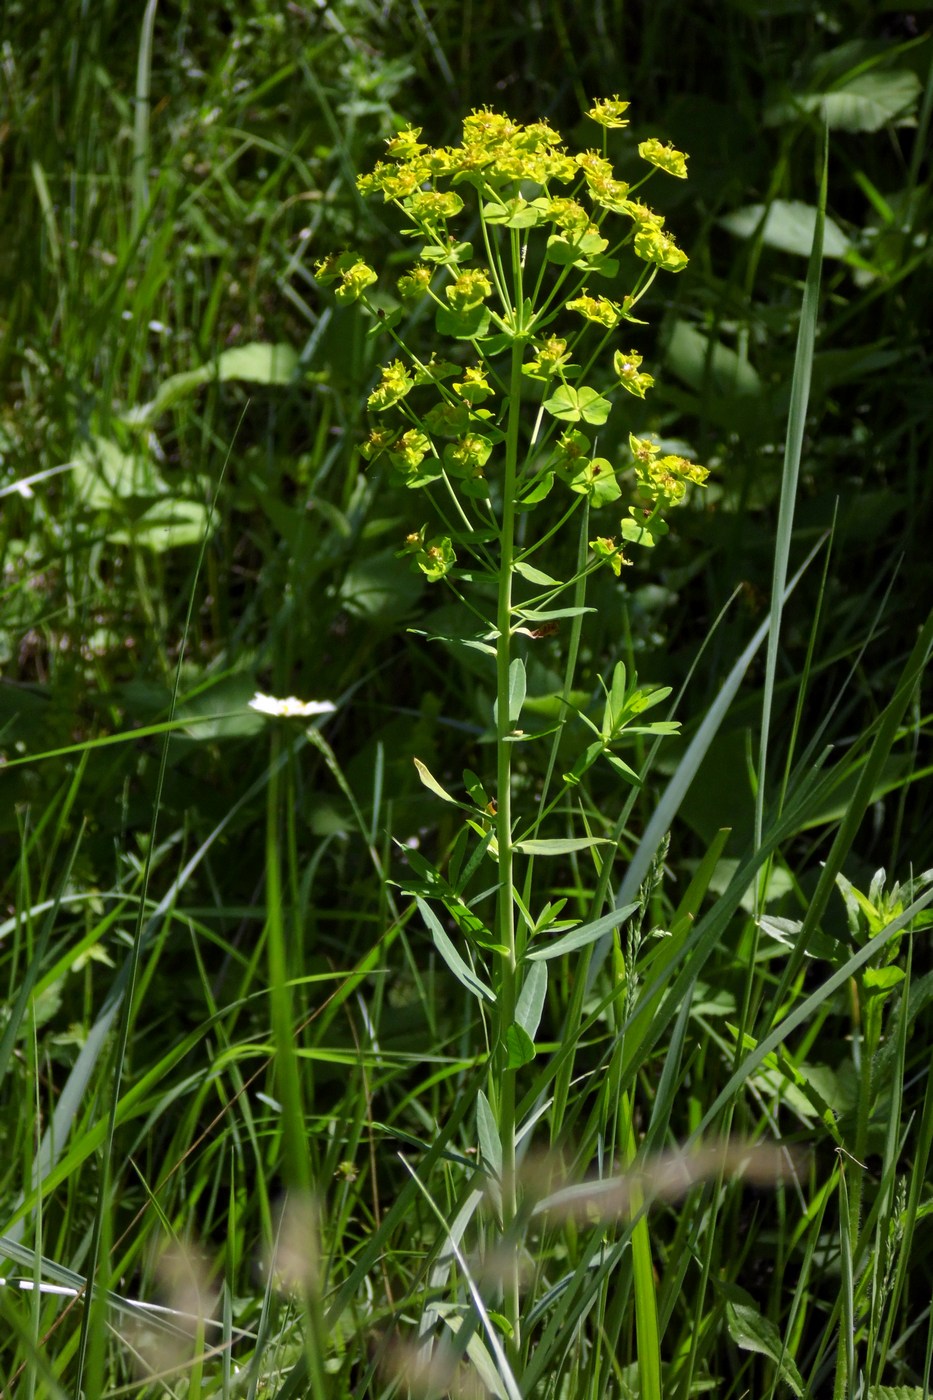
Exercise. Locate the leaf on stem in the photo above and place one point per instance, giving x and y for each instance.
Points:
(460, 969)
(581, 937)
(431, 783)
(530, 1004)
(561, 846)
(487, 1130)
(570, 405)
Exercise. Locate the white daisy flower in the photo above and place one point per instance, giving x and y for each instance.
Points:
(291, 707)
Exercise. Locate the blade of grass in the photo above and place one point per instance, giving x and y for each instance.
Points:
(796, 426)
(141, 146)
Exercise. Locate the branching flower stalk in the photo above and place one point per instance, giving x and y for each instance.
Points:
(487, 434)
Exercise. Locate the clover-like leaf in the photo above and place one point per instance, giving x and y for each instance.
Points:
(470, 324)
(598, 481)
(572, 405)
(643, 530)
(566, 249)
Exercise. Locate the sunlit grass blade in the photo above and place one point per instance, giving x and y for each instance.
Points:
(796, 427)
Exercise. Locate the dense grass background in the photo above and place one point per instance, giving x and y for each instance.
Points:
(213, 988)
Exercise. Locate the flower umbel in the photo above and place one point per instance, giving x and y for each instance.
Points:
(395, 384)
(608, 111)
(626, 367)
(599, 309)
(664, 157)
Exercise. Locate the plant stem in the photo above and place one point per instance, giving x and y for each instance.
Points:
(504, 1086)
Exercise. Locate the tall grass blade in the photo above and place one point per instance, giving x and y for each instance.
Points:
(796, 426)
(141, 116)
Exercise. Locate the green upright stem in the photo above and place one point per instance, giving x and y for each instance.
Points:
(504, 1085)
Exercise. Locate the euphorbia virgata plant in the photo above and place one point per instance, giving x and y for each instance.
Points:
(500, 416)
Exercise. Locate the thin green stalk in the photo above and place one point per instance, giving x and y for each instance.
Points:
(141, 149)
(505, 910)
(294, 1142)
(648, 1342)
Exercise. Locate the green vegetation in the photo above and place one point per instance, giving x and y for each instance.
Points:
(589, 1055)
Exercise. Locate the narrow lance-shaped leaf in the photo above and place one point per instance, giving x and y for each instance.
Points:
(530, 1004)
(581, 937)
(487, 1130)
(460, 969)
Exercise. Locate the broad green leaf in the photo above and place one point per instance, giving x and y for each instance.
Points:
(473, 643)
(615, 700)
(593, 407)
(602, 267)
(561, 846)
(598, 481)
(787, 931)
(168, 524)
(517, 212)
(530, 1002)
(381, 587)
(519, 1046)
(581, 937)
(538, 492)
(431, 783)
(517, 690)
(882, 979)
(564, 249)
(789, 226)
(866, 103)
(460, 969)
(536, 615)
(220, 710)
(462, 325)
(255, 364)
(622, 768)
(751, 1331)
(487, 1130)
(645, 532)
(474, 786)
(442, 253)
(104, 475)
(570, 405)
(707, 364)
(896, 1392)
(534, 575)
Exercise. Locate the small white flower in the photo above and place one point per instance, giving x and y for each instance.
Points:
(291, 707)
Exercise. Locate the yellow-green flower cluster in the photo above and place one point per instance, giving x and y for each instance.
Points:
(664, 157)
(608, 552)
(434, 206)
(409, 451)
(494, 150)
(353, 273)
(659, 248)
(396, 382)
(435, 557)
(551, 357)
(416, 281)
(608, 111)
(599, 309)
(513, 171)
(626, 367)
(469, 289)
(663, 480)
(474, 386)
